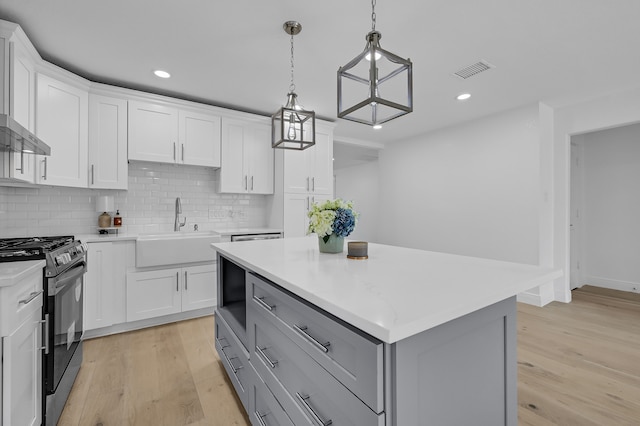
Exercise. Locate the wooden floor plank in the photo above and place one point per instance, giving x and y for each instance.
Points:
(577, 365)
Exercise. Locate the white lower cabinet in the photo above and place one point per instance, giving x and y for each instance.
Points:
(21, 342)
(22, 374)
(161, 292)
(105, 283)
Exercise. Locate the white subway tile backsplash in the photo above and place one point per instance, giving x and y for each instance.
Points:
(148, 205)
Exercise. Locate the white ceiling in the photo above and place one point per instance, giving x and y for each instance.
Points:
(235, 53)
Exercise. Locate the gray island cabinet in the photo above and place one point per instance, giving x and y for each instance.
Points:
(406, 337)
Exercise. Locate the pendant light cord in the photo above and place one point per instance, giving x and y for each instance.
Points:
(373, 15)
(292, 86)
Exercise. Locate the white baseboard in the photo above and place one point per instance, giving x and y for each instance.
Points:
(538, 296)
(151, 322)
(596, 281)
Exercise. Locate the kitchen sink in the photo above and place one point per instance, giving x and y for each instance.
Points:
(172, 248)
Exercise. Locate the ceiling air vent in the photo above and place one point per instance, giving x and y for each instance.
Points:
(472, 70)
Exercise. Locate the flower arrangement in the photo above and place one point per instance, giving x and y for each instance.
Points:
(332, 217)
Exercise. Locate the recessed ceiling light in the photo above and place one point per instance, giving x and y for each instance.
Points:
(377, 126)
(162, 74)
(463, 96)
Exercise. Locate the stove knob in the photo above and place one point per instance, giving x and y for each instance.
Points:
(68, 257)
(60, 260)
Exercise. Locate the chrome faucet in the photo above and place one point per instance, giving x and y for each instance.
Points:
(177, 225)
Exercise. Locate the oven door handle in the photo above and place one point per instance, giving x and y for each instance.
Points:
(45, 321)
(66, 277)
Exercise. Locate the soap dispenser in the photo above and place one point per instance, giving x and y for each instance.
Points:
(117, 219)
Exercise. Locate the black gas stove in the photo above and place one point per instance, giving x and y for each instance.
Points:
(60, 252)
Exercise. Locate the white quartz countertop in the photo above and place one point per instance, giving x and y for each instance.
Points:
(103, 238)
(123, 236)
(248, 231)
(397, 292)
(12, 272)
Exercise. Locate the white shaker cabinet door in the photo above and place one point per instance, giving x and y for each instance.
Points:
(99, 286)
(297, 176)
(153, 293)
(108, 166)
(260, 160)
(153, 132)
(296, 222)
(199, 136)
(233, 178)
(62, 122)
(321, 163)
(199, 285)
(22, 374)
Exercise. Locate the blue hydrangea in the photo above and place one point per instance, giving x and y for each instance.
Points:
(344, 223)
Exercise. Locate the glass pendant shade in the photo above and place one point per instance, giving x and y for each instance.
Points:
(376, 86)
(293, 127)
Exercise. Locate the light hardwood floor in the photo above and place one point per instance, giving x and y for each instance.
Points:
(578, 364)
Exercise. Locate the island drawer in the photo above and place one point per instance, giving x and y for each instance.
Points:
(233, 359)
(264, 408)
(350, 355)
(308, 393)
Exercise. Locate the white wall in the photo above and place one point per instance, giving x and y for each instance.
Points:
(360, 184)
(148, 205)
(611, 161)
(473, 189)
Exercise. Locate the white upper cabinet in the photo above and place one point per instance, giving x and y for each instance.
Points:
(19, 102)
(61, 121)
(163, 133)
(153, 132)
(22, 86)
(311, 171)
(108, 166)
(247, 158)
(199, 136)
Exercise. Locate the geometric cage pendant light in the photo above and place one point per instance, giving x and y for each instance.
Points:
(376, 86)
(293, 127)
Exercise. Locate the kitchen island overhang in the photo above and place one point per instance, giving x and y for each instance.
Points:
(445, 326)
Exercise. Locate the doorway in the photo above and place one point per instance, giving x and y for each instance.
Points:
(604, 209)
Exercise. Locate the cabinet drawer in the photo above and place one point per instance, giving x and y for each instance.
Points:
(233, 359)
(351, 356)
(264, 409)
(306, 391)
(19, 301)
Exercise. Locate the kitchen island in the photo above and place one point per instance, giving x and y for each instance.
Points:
(405, 337)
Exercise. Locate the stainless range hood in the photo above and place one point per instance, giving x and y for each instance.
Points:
(15, 138)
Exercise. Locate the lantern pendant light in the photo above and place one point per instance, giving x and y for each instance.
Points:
(376, 86)
(292, 127)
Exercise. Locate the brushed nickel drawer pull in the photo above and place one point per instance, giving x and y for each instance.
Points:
(303, 331)
(259, 417)
(260, 351)
(233, 368)
(31, 296)
(260, 301)
(220, 342)
(316, 417)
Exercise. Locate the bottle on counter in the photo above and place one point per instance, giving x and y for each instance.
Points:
(117, 219)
